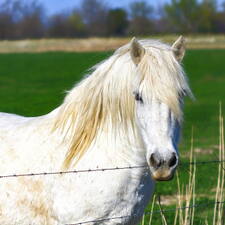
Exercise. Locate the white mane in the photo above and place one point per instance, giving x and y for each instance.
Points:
(105, 98)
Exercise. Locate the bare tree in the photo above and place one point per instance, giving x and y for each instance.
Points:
(6, 21)
(94, 13)
(20, 19)
(6, 26)
(30, 25)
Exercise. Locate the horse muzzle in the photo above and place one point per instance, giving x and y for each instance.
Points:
(163, 169)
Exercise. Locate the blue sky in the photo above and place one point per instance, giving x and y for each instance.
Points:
(54, 6)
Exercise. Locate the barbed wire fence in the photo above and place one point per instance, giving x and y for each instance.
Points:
(198, 205)
(152, 212)
(101, 169)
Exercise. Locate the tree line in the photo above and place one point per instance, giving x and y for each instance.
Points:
(21, 19)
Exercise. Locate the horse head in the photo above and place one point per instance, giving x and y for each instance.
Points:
(159, 90)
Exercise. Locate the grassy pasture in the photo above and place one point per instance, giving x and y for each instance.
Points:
(34, 84)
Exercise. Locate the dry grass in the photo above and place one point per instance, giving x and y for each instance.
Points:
(103, 44)
(219, 213)
(186, 217)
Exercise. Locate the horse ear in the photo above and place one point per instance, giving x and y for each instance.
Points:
(136, 51)
(179, 48)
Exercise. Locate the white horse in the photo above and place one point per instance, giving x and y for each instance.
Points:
(128, 112)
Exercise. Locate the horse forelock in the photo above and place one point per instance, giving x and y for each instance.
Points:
(162, 77)
(104, 99)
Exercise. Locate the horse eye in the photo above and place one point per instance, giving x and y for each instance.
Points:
(138, 97)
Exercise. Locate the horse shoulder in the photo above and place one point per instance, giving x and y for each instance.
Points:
(23, 149)
(26, 141)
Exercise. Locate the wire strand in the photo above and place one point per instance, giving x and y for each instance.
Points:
(150, 212)
(70, 172)
(99, 169)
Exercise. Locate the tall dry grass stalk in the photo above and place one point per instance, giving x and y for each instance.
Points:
(152, 209)
(187, 199)
(218, 217)
(164, 221)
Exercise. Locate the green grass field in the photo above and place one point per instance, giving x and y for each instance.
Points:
(34, 84)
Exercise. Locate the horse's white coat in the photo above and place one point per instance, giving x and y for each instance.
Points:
(29, 145)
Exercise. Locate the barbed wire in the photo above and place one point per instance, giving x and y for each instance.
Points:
(71, 171)
(201, 162)
(186, 207)
(152, 212)
(100, 169)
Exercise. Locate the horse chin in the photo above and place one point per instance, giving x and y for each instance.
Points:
(165, 176)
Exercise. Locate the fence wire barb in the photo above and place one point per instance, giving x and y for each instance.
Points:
(99, 170)
(151, 212)
(70, 172)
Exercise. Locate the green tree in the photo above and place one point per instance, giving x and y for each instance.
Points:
(67, 25)
(58, 26)
(77, 24)
(117, 22)
(140, 14)
(207, 16)
(183, 15)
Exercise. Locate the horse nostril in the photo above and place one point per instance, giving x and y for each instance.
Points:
(154, 161)
(173, 161)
